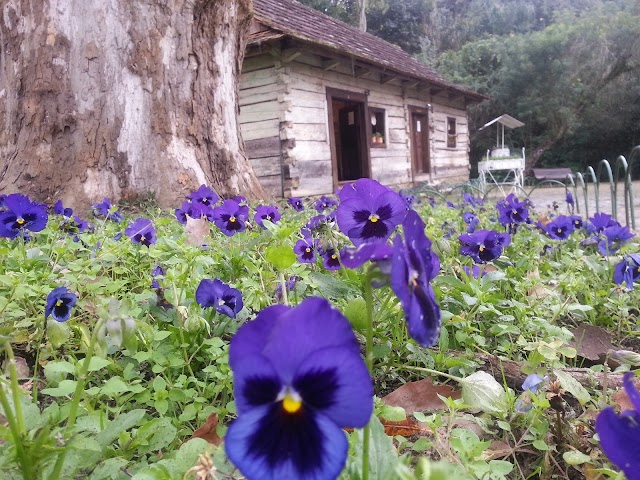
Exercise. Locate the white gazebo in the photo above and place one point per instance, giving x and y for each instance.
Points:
(501, 157)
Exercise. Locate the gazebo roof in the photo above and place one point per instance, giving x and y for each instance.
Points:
(506, 120)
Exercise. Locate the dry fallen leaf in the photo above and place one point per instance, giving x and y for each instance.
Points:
(208, 430)
(405, 428)
(420, 396)
(197, 230)
(591, 342)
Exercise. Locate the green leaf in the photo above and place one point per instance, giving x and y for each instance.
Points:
(110, 469)
(356, 312)
(393, 414)
(575, 457)
(65, 387)
(58, 333)
(113, 387)
(98, 363)
(480, 390)
(572, 386)
(281, 257)
(121, 423)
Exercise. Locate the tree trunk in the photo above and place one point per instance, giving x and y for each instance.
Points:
(362, 14)
(121, 98)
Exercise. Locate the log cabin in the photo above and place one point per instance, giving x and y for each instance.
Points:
(323, 103)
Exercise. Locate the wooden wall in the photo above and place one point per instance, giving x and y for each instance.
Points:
(285, 105)
(260, 99)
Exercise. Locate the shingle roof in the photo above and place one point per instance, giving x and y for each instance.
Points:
(304, 23)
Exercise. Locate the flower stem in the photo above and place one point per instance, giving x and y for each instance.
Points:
(75, 400)
(16, 422)
(368, 298)
(285, 298)
(37, 363)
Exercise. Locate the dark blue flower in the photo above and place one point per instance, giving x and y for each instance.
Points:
(570, 200)
(379, 252)
(627, 271)
(475, 271)
(599, 222)
(325, 203)
(305, 249)
(330, 259)
(266, 212)
(290, 284)
(215, 293)
(105, 210)
(471, 220)
(59, 209)
(299, 380)
(560, 228)
(472, 201)
(296, 204)
(620, 433)
(409, 200)
(511, 211)
(530, 385)
(141, 231)
(157, 271)
(230, 217)
(369, 211)
(204, 195)
(577, 221)
(413, 267)
(60, 302)
(483, 245)
(614, 238)
(21, 214)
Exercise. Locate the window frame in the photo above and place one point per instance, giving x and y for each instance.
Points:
(381, 114)
(452, 137)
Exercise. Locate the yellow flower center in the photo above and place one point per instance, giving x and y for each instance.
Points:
(482, 248)
(58, 303)
(269, 217)
(232, 219)
(373, 218)
(334, 256)
(307, 249)
(291, 402)
(559, 230)
(142, 238)
(20, 220)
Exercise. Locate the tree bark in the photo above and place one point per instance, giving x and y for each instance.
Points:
(122, 98)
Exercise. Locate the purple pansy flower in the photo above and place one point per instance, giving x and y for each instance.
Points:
(21, 214)
(475, 271)
(560, 228)
(614, 238)
(59, 209)
(577, 221)
(530, 385)
(619, 433)
(60, 302)
(305, 249)
(483, 245)
(379, 252)
(204, 195)
(471, 220)
(413, 266)
(267, 212)
(141, 231)
(325, 203)
(290, 284)
(215, 293)
(103, 209)
(512, 212)
(231, 217)
(627, 271)
(600, 221)
(299, 380)
(296, 204)
(330, 259)
(369, 211)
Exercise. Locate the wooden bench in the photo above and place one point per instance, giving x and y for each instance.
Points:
(551, 173)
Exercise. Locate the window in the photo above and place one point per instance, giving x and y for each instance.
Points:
(451, 132)
(376, 117)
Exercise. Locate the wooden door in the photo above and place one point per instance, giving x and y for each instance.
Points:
(420, 157)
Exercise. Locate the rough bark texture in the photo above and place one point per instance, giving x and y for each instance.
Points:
(120, 98)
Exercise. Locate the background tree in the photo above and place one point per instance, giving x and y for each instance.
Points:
(119, 98)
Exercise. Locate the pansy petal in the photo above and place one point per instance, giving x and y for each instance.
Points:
(631, 391)
(313, 325)
(336, 382)
(266, 444)
(255, 382)
(619, 440)
(252, 336)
